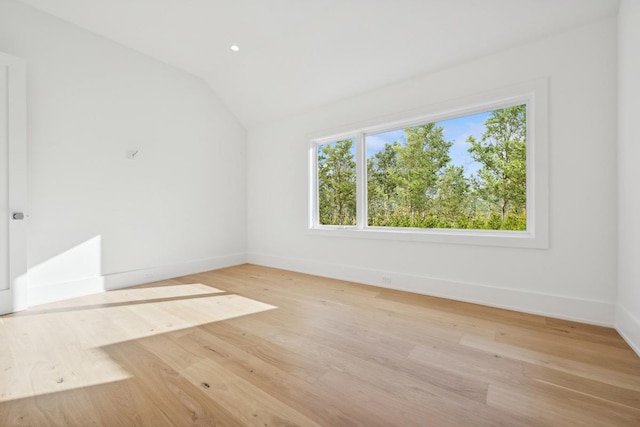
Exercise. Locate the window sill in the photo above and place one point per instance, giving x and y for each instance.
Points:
(509, 239)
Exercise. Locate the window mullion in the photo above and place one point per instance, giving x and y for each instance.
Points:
(314, 220)
(361, 182)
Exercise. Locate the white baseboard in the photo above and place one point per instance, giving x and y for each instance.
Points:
(581, 310)
(577, 309)
(50, 292)
(137, 277)
(628, 326)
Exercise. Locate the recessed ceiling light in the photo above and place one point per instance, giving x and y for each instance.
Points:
(235, 48)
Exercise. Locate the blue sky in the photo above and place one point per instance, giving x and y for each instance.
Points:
(456, 130)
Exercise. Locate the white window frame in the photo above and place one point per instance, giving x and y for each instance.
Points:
(534, 94)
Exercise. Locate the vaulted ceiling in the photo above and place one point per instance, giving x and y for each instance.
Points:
(299, 54)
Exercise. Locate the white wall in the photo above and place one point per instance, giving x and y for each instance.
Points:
(97, 218)
(575, 278)
(628, 314)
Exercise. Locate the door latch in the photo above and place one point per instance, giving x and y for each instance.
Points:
(18, 216)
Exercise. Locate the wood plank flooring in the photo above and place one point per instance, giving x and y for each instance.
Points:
(254, 346)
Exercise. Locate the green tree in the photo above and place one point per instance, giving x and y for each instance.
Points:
(337, 183)
(381, 185)
(501, 150)
(451, 201)
(419, 162)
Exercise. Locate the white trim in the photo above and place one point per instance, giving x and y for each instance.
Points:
(136, 277)
(15, 297)
(361, 182)
(496, 103)
(64, 290)
(628, 326)
(557, 306)
(312, 193)
(534, 94)
(500, 238)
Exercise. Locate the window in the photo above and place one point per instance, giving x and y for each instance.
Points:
(465, 176)
(467, 172)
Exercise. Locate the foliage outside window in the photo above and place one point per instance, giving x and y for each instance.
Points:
(337, 182)
(468, 172)
(415, 181)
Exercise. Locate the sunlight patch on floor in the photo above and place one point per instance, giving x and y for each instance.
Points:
(130, 295)
(57, 347)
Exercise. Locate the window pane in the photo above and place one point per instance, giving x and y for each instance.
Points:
(337, 182)
(467, 173)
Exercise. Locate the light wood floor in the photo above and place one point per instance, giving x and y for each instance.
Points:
(256, 346)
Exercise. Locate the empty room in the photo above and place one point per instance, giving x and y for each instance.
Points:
(319, 213)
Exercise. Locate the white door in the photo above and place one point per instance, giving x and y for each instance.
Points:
(13, 185)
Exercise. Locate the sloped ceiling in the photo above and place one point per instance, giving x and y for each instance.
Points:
(299, 54)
